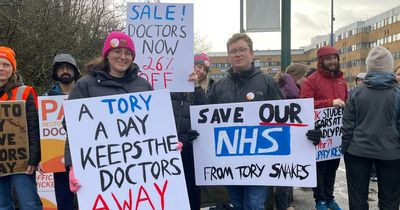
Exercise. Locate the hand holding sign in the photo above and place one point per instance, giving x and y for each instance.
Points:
(74, 185)
(315, 135)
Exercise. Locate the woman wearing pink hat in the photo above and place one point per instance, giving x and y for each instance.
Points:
(12, 88)
(113, 73)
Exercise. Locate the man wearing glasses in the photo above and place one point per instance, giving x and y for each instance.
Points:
(244, 83)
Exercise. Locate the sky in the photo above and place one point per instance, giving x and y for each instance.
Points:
(217, 20)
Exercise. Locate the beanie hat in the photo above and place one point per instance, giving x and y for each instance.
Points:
(65, 58)
(327, 51)
(379, 59)
(361, 75)
(9, 54)
(296, 70)
(118, 40)
(202, 59)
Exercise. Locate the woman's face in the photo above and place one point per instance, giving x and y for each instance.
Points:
(397, 73)
(6, 70)
(119, 59)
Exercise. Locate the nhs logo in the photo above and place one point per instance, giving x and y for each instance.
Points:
(252, 140)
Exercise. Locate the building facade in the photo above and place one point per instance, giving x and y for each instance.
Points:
(354, 41)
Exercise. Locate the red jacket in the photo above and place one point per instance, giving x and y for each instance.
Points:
(324, 87)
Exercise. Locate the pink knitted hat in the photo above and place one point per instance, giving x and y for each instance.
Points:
(117, 40)
(203, 59)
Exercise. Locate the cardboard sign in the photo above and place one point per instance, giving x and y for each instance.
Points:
(52, 132)
(254, 143)
(331, 141)
(123, 152)
(14, 144)
(163, 37)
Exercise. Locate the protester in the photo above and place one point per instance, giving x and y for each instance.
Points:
(180, 105)
(113, 73)
(12, 88)
(245, 83)
(328, 88)
(371, 135)
(289, 84)
(65, 71)
(202, 65)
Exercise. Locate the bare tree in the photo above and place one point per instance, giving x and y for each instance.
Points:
(200, 43)
(40, 29)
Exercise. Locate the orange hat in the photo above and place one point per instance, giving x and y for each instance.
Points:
(9, 54)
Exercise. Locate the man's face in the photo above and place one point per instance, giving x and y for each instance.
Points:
(330, 63)
(200, 71)
(240, 56)
(65, 73)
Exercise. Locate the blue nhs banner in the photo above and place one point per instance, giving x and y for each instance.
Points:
(252, 140)
(260, 143)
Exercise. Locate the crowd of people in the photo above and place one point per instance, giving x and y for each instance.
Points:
(371, 119)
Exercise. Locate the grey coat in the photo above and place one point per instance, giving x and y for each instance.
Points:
(371, 119)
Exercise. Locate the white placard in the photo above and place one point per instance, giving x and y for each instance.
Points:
(123, 152)
(254, 143)
(331, 141)
(163, 37)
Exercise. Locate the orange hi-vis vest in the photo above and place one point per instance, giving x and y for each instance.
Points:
(19, 93)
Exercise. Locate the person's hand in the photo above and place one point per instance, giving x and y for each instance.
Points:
(179, 146)
(74, 185)
(41, 169)
(194, 78)
(314, 135)
(30, 170)
(338, 103)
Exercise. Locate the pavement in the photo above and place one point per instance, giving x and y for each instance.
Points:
(303, 197)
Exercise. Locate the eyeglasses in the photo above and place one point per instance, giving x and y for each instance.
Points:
(237, 51)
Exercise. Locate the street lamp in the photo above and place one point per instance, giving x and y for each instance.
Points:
(332, 19)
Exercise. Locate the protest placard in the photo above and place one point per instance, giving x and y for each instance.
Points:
(52, 132)
(163, 37)
(254, 143)
(14, 144)
(123, 152)
(45, 189)
(331, 120)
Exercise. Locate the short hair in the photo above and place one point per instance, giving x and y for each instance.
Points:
(240, 36)
(296, 70)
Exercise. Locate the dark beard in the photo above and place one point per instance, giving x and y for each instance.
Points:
(66, 79)
(325, 67)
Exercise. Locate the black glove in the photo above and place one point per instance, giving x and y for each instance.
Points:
(190, 135)
(315, 135)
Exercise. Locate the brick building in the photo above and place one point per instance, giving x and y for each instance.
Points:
(353, 41)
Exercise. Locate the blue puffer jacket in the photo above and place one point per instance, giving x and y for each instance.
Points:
(371, 118)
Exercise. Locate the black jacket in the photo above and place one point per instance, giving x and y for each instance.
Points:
(250, 85)
(180, 104)
(100, 83)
